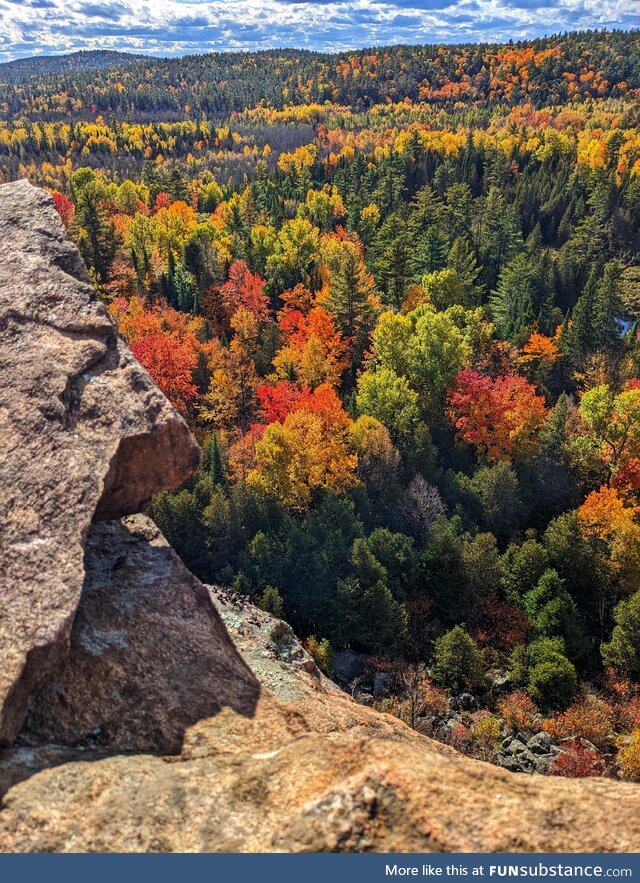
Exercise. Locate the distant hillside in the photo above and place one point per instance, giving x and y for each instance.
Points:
(18, 70)
(553, 70)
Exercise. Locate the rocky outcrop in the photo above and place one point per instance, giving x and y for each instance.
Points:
(528, 754)
(84, 431)
(109, 646)
(309, 770)
(269, 646)
(148, 657)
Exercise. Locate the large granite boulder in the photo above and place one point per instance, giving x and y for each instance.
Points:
(84, 432)
(149, 655)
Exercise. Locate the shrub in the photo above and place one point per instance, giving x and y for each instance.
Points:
(460, 738)
(457, 662)
(414, 686)
(629, 757)
(436, 700)
(578, 761)
(628, 714)
(322, 654)
(519, 711)
(620, 686)
(553, 682)
(271, 602)
(487, 730)
(589, 718)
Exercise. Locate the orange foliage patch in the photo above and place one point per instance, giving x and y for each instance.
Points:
(519, 711)
(500, 417)
(589, 718)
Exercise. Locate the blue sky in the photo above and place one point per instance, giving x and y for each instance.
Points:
(174, 27)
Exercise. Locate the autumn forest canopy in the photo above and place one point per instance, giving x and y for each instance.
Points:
(396, 295)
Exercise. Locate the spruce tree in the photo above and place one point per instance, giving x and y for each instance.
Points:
(96, 235)
(462, 259)
(500, 238)
(512, 303)
(393, 260)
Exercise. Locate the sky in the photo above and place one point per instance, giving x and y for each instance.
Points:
(174, 27)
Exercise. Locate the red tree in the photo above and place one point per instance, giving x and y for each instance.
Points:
(162, 201)
(279, 400)
(170, 362)
(65, 208)
(284, 398)
(245, 289)
(501, 417)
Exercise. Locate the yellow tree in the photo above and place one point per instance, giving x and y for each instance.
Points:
(301, 455)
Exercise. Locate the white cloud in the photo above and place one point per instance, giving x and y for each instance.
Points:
(173, 27)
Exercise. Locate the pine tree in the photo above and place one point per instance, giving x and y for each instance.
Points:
(214, 462)
(388, 194)
(393, 261)
(548, 315)
(552, 613)
(500, 238)
(593, 323)
(623, 651)
(350, 300)
(459, 210)
(96, 234)
(462, 259)
(201, 373)
(430, 253)
(168, 282)
(185, 288)
(177, 187)
(512, 301)
(457, 662)
(426, 212)
(607, 308)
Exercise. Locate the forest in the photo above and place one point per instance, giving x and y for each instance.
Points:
(396, 295)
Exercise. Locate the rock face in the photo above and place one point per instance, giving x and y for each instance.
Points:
(148, 655)
(83, 429)
(309, 770)
(109, 645)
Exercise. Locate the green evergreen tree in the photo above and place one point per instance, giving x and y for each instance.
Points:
(392, 260)
(185, 288)
(500, 238)
(512, 301)
(462, 259)
(456, 662)
(552, 613)
(96, 235)
(350, 300)
(593, 323)
(271, 602)
(459, 211)
(430, 253)
(623, 650)
(168, 281)
(369, 618)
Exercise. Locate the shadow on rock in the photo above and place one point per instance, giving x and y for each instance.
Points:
(149, 655)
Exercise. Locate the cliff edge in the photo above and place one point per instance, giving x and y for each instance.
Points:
(143, 711)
